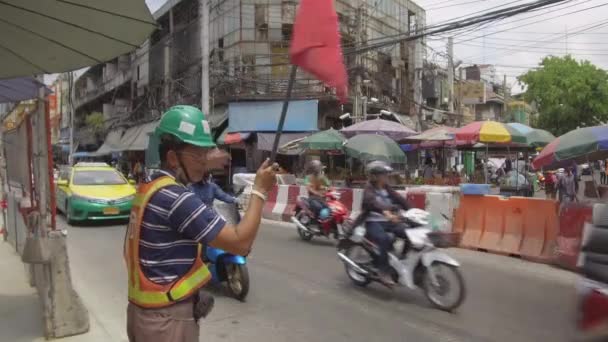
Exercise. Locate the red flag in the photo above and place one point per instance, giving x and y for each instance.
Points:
(315, 46)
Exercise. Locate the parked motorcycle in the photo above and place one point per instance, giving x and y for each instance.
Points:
(309, 226)
(423, 266)
(226, 267)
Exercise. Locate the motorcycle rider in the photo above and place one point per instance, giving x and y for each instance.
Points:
(317, 184)
(379, 204)
(207, 190)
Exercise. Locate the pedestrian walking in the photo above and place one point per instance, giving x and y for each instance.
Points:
(169, 226)
(604, 171)
(568, 187)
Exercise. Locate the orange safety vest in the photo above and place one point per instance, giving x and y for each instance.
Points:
(142, 291)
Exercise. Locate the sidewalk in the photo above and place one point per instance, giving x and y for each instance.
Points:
(20, 309)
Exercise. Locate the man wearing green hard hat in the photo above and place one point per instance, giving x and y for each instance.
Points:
(168, 226)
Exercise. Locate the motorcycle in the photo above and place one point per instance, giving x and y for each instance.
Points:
(309, 226)
(226, 267)
(423, 266)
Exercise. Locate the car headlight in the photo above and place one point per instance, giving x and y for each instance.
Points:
(128, 198)
(79, 198)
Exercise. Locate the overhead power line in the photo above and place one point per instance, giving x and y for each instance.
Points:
(455, 25)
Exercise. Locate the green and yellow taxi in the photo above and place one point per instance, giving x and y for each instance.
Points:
(94, 191)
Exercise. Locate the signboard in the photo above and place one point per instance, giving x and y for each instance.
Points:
(471, 92)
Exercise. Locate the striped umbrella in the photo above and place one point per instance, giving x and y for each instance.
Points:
(579, 146)
(489, 132)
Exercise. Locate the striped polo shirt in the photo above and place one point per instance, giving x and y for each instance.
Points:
(174, 222)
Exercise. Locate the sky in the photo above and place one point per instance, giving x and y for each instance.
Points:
(519, 43)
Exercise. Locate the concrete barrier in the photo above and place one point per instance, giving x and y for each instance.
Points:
(440, 201)
(63, 312)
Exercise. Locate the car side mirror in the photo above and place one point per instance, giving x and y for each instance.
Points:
(132, 181)
(62, 182)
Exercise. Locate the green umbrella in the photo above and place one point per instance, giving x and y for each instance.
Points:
(534, 137)
(367, 147)
(326, 140)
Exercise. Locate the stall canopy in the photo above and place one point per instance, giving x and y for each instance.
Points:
(266, 140)
(57, 36)
(231, 138)
(136, 138)
(112, 143)
(302, 116)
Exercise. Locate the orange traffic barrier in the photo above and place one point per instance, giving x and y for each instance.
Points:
(493, 208)
(470, 220)
(540, 229)
(513, 227)
(526, 227)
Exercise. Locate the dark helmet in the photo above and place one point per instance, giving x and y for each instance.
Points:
(378, 167)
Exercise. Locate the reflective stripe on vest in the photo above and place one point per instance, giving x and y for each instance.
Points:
(142, 291)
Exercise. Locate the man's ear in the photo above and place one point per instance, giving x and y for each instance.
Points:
(172, 159)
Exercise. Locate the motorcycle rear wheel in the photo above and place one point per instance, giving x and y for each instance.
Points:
(449, 278)
(238, 280)
(354, 252)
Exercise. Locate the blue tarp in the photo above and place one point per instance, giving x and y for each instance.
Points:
(263, 116)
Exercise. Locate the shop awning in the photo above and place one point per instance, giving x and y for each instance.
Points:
(112, 143)
(217, 116)
(19, 89)
(136, 138)
(266, 141)
(263, 116)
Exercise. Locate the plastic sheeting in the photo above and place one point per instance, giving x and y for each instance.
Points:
(136, 138)
(112, 143)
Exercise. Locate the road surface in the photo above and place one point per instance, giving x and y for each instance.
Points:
(300, 292)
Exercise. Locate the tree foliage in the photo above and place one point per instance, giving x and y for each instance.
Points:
(567, 93)
(95, 122)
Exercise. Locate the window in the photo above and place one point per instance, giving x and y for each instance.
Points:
(98, 177)
(261, 22)
(286, 31)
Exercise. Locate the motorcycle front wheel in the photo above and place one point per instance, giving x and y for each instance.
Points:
(304, 219)
(238, 280)
(360, 256)
(449, 291)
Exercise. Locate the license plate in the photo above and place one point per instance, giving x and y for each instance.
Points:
(111, 211)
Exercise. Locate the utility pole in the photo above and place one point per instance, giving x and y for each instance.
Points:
(358, 42)
(460, 108)
(72, 114)
(504, 97)
(451, 75)
(204, 22)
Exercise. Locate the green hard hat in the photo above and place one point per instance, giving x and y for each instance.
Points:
(186, 123)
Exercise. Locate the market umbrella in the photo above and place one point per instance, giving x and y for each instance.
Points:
(51, 36)
(391, 129)
(325, 140)
(489, 132)
(368, 147)
(534, 137)
(579, 146)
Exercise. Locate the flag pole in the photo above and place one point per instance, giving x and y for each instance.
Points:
(277, 137)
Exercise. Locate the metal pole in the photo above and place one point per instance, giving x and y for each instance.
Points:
(451, 75)
(277, 137)
(72, 114)
(204, 8)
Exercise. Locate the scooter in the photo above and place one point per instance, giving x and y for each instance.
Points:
(226, 267)
(421, 266)
(309, 226)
